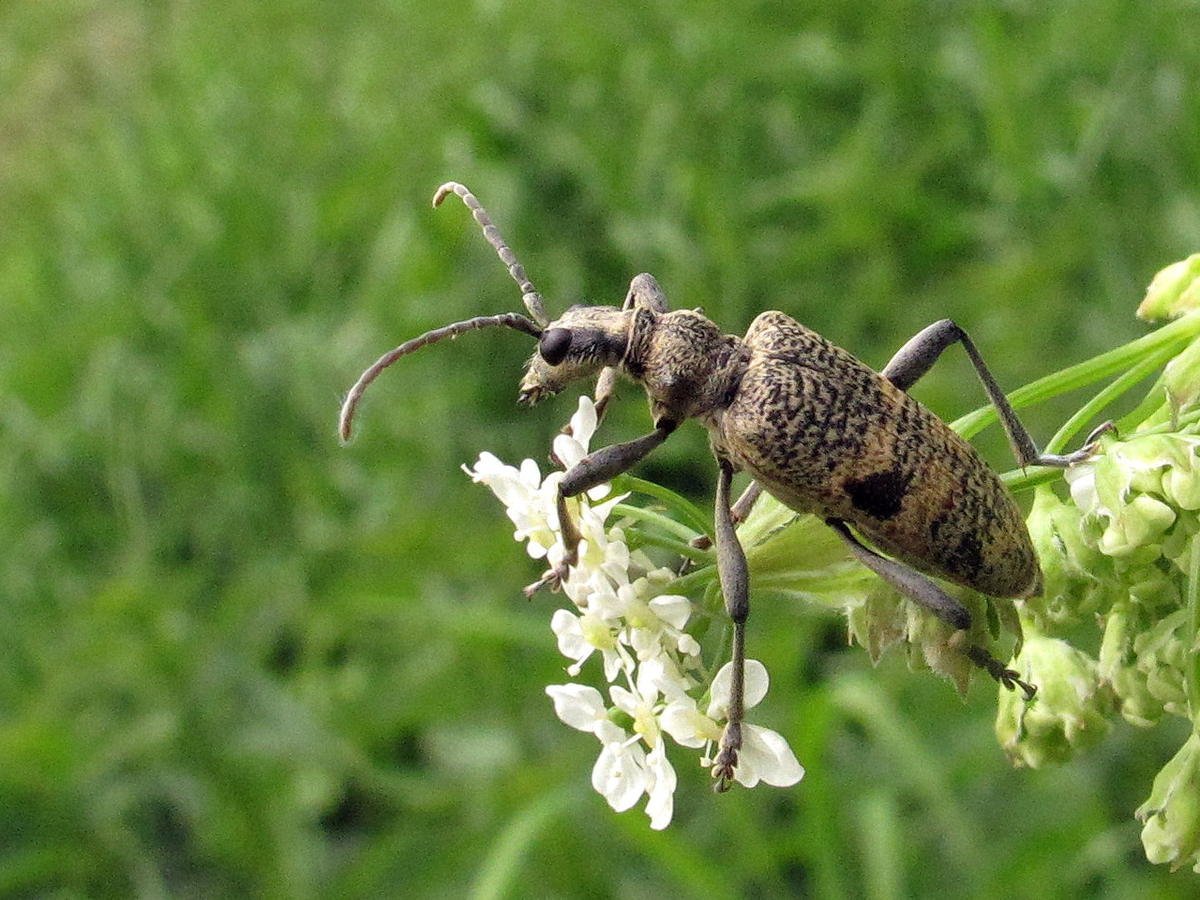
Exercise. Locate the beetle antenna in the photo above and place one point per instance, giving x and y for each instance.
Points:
(529, 294)
(511, 320)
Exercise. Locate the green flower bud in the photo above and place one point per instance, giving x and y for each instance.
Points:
(1173, 291)
(1171, 833)
(880, 622)
(1117, 665)
(1078, 579)
(1162, 653)
(1070, 712)
(1181, 482)
(1137, 524)
(1181, 379)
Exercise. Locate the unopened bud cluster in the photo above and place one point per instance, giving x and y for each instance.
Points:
(1115, 632)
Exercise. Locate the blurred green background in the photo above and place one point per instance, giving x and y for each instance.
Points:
(236, 658)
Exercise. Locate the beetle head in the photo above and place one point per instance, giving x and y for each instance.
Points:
(577, 345)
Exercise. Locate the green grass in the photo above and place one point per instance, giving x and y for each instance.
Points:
(238, 658)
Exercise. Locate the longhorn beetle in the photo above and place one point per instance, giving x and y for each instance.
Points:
(815, 428)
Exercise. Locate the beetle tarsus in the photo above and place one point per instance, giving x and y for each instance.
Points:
(1004, 675)
(727, 758)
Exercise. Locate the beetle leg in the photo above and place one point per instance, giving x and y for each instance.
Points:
(735, 586)
(917, 587)
(596, 468)
(606, 386)
(645, 293)
(916, 357)
(738, 512)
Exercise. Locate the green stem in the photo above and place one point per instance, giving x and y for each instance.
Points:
(698, 580)
(666, 523)
(688, 511)
(1093, 407)
(679, 548)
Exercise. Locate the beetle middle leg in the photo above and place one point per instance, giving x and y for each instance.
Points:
(922, 590)
(596, 468)
(916, 357)
(737, 513)
(734, 575)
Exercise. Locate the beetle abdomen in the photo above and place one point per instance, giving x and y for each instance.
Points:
(824, 433)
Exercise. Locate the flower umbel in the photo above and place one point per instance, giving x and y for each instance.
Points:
(624, 614)
(1118, 626)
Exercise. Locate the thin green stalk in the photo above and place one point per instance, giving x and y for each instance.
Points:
(688, 511)
(666, 523)
(693, 581)
(679, 548)
(1193, 605)
(1104, 398)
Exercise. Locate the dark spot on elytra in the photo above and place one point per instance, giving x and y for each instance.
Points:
(878, 494)
(968, 555)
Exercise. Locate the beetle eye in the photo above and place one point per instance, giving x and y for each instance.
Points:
(554, 345)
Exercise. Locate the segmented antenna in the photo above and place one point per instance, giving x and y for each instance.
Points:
(511, 320)
(529, 294)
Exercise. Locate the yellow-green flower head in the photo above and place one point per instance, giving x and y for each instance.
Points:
(1171, 833)
(1079, 580)
(1070, 712)
(1117, 664)
(1134, 491)
(1173, 291)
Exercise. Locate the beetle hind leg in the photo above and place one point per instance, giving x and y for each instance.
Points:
(922, 590)
(916, 358)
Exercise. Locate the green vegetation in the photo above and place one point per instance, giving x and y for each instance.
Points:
(237, 658)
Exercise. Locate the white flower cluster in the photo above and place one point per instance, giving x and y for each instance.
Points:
(623, 613)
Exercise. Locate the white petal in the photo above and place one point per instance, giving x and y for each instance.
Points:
(568, 450)
(583, 423)
(661, 805)
(619, 775)
(672, 608)
(571, 642)
(624, 700)
(766, 756)
(578, 705)
(687, 725)
(755, 688)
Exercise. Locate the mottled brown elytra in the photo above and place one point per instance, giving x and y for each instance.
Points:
(815, 428)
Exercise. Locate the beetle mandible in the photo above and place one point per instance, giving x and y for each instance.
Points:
(812, 425)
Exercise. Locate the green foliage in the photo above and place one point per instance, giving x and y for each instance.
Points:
(236, 658)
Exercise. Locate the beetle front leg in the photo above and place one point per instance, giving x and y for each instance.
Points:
(594, 469)
(922, 590)
(735, 587)
(916, 357)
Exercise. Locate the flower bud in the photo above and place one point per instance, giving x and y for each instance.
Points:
(1070, 712)
(1117, 665)
(1171, 814)
(1173, 291)
(1135, 525)
(1181, 379)
(1078, 579)
(1162, 653)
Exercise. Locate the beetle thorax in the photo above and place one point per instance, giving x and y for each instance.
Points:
(687, 366)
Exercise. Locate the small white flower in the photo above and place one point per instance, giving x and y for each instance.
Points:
(661, 805)
(620, 775)
(580, 636)
(765, 754)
